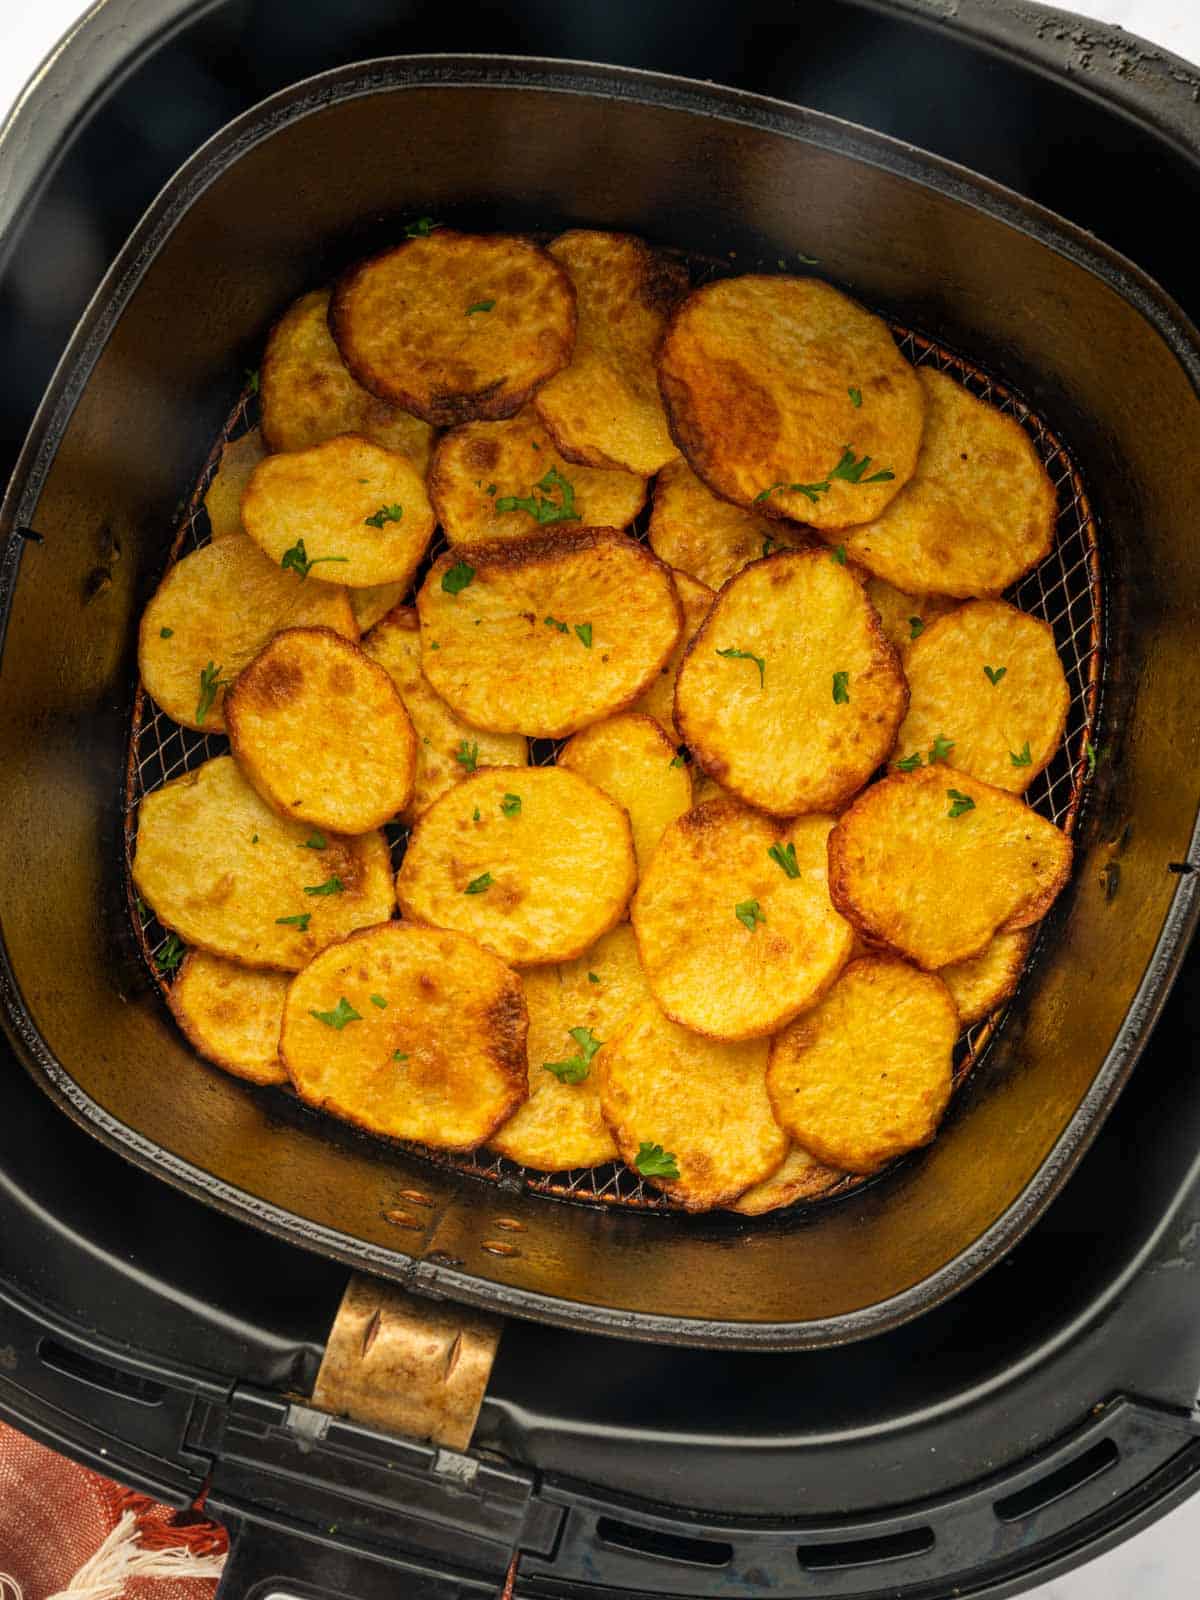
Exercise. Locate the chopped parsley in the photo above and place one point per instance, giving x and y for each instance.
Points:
(421, 228)
(748, 655)
(384, 514)
(553, 622)
(916, 627)
(1091, 755)
(456, 578)
(378, 1000)
(300, 922)
(252, 380)
(677, 761)
(467, 755)
(855, 397)
(539, 506)
(171, 954)
(592, 978)
(960, 803)
(480, 884)
(399, 1055)
(475, 815)
(577, 1067)
(297, 559)
(333, 885)
(341, 1014)
(480, 305)
(850, 469)
(910, 763)
(315, 841)
(583, 632)
(838, 554)
(511, 805)
(768, 545)
(994, 674)
(940, 749)
(841, 688)
(652, 1161)
(1023, 759)
(784, 855)
(166, 633)
(210, 681)
(748, 913)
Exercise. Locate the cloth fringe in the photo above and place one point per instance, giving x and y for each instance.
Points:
(122, 1557)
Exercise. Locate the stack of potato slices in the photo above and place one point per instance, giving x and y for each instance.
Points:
(729, 926)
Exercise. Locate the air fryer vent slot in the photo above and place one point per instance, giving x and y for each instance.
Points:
(666, 1546)
(866, 1552)
(98, 1375)
(1062, 1481)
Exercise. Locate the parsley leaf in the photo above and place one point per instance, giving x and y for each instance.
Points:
(748, 655)
(838, 554)
(456, 578)
(252, 379)
(171, 954)
(341, 1014)
(1024, 759)
(378, 1000)
(384, 514)
(421, 228)
(592, 978)
(910, 763)
(785, 856)
(480, 305)
(652, 1161)
(475, 815)
(940, 749)
(576, 1069)
(850, 469)
(855, 397)
(511, 805)
(841, 688)
(210, 681)
(1092, 755)
(467, 755)
(332, 885)
(297, 559)
(480, 884)
(583, 632)
(399, 1055)
(961, 802)
(540, 507)
(994, 674)
(748, 913)
(768, 543)
(166, 633)
(300, 922)
(677, 761)
(315, 841)
(916, 627)
(553, 622)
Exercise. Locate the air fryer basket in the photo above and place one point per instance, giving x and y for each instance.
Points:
(278, 202)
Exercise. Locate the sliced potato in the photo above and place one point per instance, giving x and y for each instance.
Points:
(630, 759)
(702, 1103)
(801, 1177)
(321, 732)
(370, 606)
(357, 514)
(604, 408)
(482, 468)
(410, 1032)
(448, 750)
(223, 498)
(904, 616)
(986, 981)
(708, 538)
(979, 511)
(213, 612)
(659, 699)
(536, 863)
(805, 730)
(988, 677)
(735, 941)
(231, 1014)
(307, 394)
(560, 1125)
(866, 1076)
(547, 635)
(227, 874)
(456, 326)
(760, 376)
(934, 886)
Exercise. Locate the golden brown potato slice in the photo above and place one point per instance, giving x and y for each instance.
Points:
(987, 980)
(934, 862)
(605, 408)
(734, 922)
(560, 1125)
(801, 1177)
(787, 397)
(867, 1074)
(689, 1114)
(231, 1014)
(321, 732)
(904, 616)
(789, 695)
(630, 759)
(456, 326)
(979, 511)
(535, 863)
(448, 750)
(352, 513)
(410, 1032)
(370, 606)
(213, 612)
(225, 873)
(307, 394)
(223, 499)
(987, 677)
(710, 539)
(547, 635)
(493, 481)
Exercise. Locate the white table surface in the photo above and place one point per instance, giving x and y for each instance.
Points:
(1162, 1563)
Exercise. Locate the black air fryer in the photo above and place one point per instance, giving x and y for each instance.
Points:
(969, 1375)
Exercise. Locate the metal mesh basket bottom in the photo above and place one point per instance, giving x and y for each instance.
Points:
(1063, 591)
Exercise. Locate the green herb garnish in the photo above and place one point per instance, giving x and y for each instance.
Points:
(592, 978)
(298, 560)
(540, 507)
(677, 761)
(994, 674)
(467, 755)
(1024, 759)
(166, 633)
(315, 841)
(850, 469)
(652, 1161)
(785, 856)
(576, 1069)
(399, 1055)
(251, 379)
(1091, 755)
(332, 885)
(210, 681)
(341, 1014)
(748, 655)
(421, 228)
(961, 802)
(480, 305)
(838, 554)
(583, 632)
(456, 578)
(378, 1000)
(910, 763)
(940, 749)
(841, 688)
(748, 913)
(553, 622)
(511, 805)
(171, 954)
(480, 884)
(476, 816)
(384, 514)
(855, 397)
(916, 627)
(300, 922)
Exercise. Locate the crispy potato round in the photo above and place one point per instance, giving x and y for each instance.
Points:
(560, 1126)
(485, 465)
(866, 1076)
(448, 750)
(213, 612)
(736, 941)
(935, 886)
(986, 981)
(225, 873)
(604, 408)
(759, 375)
(307, 394)
(370, 606)
(703, 1102)
(630, 759)
(711, 540)
(223, 498)
(536, 864)
(987, 676)
(456, 326)
(549, 634)
(659, 699)
(358, 514)
(415, 1033)
(904, 616)
(805, 730)
(979, 512)
(801, 1177)
(321, 732)
(231, 1014)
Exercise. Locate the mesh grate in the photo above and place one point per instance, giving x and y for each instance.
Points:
(1063, 591)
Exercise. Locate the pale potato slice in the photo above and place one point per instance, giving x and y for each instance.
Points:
(546, 635)
(708, 538)
(307, 394)
(988, 677)
(492, 481)
(935, 886)
(560, 1126)
(979, 511)
(904, 616)
(534, 863)
(805, 730)
(213, 612)
(321, 732)
(415, 1033)
(604, 408)
(866, 1075)
(986, 981)
(630, 759)
(223, 498)
(455, 326)
(370, 606)
(659, 699)
(356, 514)
(448, 749)
(760, 377)
(736, 940)
(801, 1177)
(224, 872)
(231, 1014)
(701, 1102)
